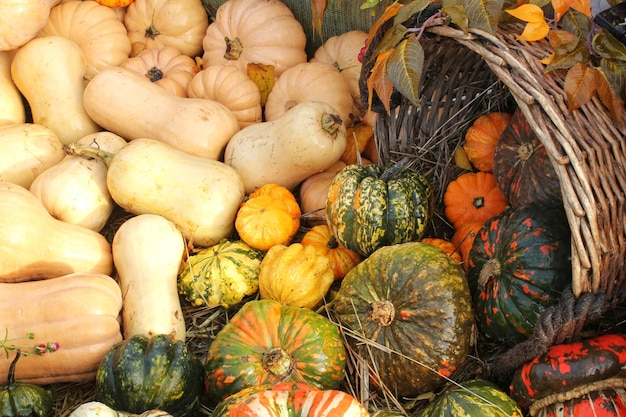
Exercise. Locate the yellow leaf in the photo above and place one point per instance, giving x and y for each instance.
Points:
(562, 6)
(530, 13)
(263, 77)
(534, 31)
(548, 59)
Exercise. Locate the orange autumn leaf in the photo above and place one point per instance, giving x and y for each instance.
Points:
(390, 12)
(562, 6)
(609, 97)
(581, 83)
(318, 8)
(536, 27)
(379, 82)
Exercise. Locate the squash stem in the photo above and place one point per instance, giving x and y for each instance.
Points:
(89, 152)
(331, 123)
(490, 269)
(278, 362)
(11, 374)
(234, 49)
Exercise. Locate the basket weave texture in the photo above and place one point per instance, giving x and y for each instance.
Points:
(463, 77)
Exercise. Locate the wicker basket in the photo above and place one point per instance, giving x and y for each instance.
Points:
(464, 74)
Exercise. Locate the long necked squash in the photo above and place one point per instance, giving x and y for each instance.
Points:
(35, 245)
(11, 106)
(132, 106)
(147, 252)
(200, 196)
(78, 311)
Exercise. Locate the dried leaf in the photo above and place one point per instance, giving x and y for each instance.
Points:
(378, 82)
(562, 6)
(569, 53)
(609, 97)
(484, 14)
(390, 12)
(615, 71)
(580, 85)
(404, 68)
(605, 45)
(458, 16)
(536, 27)
(318, 8)
(264, 77)
(461, 160)
(576, 23)
(410, 8)
(391, 38)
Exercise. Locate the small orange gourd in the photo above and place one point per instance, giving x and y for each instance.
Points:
(342, 259)
(473, 197)
(445, 245)
(270, 216)
(167, 67)
(463, 239)
(481, 139)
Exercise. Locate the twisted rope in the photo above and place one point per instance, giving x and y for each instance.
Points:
(559, 323)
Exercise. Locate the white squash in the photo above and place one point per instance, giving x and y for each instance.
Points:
(49, 72)
(20, 20)
(128, 104)
(148, 250)
(75, 189)
(26, 151)
(98, 409)
(200, 196)
(11, 107)
(307, 139)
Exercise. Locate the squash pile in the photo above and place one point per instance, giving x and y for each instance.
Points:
(250, 183)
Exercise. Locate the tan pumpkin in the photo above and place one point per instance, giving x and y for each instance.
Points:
(343, 51)
(270, 216)
(159, 23)
(20, 20)
(167, 67)
(481, 139)
(79, 311)
(230, 86)
(295, 275)
(310, 81)
(254, 31)
(341, 259)
(95, 28)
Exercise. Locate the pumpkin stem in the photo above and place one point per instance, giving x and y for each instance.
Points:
(479, 202)
(89, 152)
(234, 49)
(154, 74)
(381, 312)
(332, 243)
(152, 32)
(331, 123)
(525, 151)
(490, 269)
(278, 362)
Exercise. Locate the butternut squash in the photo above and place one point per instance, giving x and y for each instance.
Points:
(200, 196)
(26, 151)
(75, 189)
(11, 106)
(49, 71)
(36, 246)
(128, 104)
(307, 139)
(79, 311)
(148, 251)
(20, 20)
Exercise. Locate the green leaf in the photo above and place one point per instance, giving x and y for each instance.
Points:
(458, 16)
(484, 14)
(391, 38)
(404, 68)
(409, 9)
(568, 54)
(615, 72)
(576, 22)
(605, 45)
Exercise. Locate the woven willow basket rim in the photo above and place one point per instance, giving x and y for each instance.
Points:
(587, 149)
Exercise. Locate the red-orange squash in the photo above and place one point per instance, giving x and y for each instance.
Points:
(481, 139)
(342, 259)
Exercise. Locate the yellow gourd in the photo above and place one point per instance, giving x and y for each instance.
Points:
(11, 107)
(20, 20)
(35, 245)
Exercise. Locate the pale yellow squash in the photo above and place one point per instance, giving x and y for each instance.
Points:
(131, 106)
(11, 106)
(36, 246)
(49, 72)
(26, 151)
(20, 20)
(148, 251)
(78, 311)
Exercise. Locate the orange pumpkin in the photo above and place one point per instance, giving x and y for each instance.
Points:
(358, 135)
(481, 139)
(270, 216)
(463, 239)
(473, 197)
(445, 245)
(341, 258)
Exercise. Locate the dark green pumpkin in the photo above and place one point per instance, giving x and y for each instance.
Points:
(522, 168)
(266, 342)
(412, 301)
(473, 398)
(519, 264)
(368, 207)
(143, 373)
(23, 400)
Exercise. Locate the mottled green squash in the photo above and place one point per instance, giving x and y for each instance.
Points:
(368, 207)
(473, 398)
(18, 399)
(411, 299)
(221, 275)
(143, 373)
(518, 265)
(266, 342)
